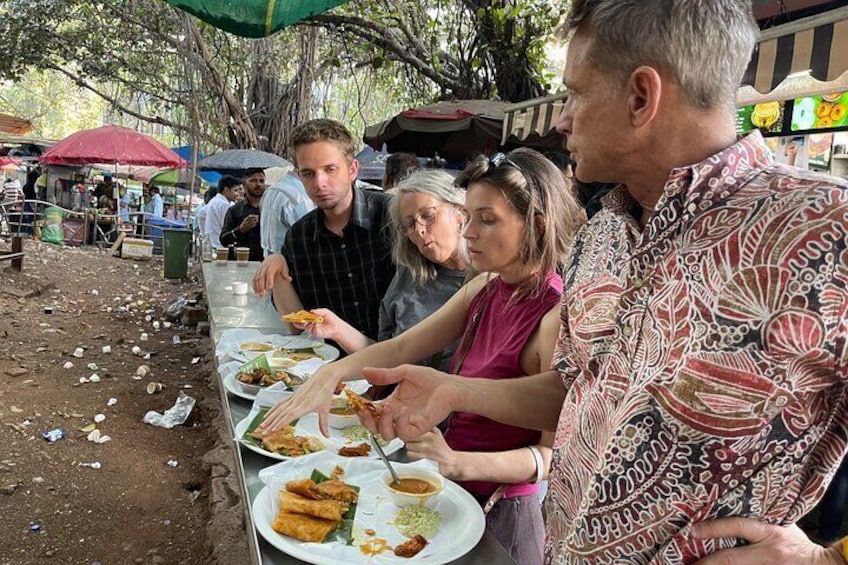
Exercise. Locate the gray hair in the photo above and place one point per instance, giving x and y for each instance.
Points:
(440, 186)
(704, 44)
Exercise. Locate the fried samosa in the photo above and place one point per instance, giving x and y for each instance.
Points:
(335, 489)
(303, 487)
(302, 527)
(325, 509)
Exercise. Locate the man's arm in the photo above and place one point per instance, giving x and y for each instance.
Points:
(212, 225)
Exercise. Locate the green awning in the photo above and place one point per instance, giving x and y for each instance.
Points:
(253, 18)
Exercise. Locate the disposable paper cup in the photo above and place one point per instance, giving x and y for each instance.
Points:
(240, 288)
(242, 255)
(222, 253)
(153, 388)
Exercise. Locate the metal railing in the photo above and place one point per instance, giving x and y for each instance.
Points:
(79, 227)
(16, 255)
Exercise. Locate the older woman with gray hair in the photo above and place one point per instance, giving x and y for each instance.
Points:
(427, 214)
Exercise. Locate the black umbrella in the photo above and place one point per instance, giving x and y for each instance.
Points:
(455, 130)
(235, 161)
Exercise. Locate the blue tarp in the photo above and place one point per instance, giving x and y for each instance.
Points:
(187, 153)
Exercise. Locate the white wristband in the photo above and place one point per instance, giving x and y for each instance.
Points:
(540, 464)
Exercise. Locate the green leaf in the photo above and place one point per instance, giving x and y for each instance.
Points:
(344, 531)
(260, 362)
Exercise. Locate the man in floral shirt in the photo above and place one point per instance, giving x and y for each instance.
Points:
(701, 365)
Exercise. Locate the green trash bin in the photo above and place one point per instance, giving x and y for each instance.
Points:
(176, 248)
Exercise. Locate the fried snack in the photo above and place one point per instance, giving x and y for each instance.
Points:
(337, 472)
(286, 443)
(302, 317)
(324, 509)
(360, 404)
(361, 450)
(255, 346)
(411, 547)
(335, 489)
(302, 527)
(263, 377)
(304, 487)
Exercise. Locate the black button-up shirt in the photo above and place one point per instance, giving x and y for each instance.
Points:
(347, 274)
(231, 234)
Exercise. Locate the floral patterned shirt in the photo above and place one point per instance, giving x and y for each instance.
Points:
(704, 359)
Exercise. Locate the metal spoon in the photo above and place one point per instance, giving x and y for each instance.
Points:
(382, 455)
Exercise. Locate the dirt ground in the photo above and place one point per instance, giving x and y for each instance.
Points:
(159, 495)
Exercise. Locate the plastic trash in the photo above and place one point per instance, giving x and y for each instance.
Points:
(173, 416)
(53, 436)
(93, 465)
(96, 437)
(100, 418)
(78, 352)
(174, 310)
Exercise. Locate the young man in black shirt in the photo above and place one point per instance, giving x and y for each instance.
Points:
(241, 223)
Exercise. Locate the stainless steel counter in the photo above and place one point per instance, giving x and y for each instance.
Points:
(226, 311)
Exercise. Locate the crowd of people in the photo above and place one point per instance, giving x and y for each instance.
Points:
(673, 362)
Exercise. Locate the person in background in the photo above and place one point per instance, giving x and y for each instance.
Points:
(427, 215)
(124, 205)
(337, 256)
(104, 188)
(398, 167)
(199, 218)
(241, 222)
(283, 203)
(699, 397)
(521, 215)
(216, 210)
(155, 206)
(30, 194)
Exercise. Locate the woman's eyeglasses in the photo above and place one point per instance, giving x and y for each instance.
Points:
(426, 217)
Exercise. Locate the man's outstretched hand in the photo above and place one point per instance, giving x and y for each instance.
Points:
(423, 398)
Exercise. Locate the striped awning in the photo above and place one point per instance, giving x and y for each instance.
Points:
(532, 122)
(818, 44)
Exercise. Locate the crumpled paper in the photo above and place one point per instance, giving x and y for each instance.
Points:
(173, 416)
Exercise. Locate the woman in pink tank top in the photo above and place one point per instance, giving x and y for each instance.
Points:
(521, 216)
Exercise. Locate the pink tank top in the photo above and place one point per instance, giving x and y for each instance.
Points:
(504, 329)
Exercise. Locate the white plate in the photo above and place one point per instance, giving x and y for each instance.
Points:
(461, 528)
(231, 340)
(308, 426)
(232, 386)
(327, 353)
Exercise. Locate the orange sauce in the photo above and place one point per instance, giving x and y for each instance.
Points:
(370, 532)
(410, 485)
(374, 547)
